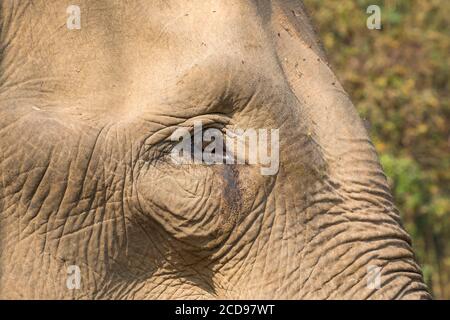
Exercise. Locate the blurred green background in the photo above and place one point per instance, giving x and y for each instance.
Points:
(398, 80)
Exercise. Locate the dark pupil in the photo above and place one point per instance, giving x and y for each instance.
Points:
(204, 144)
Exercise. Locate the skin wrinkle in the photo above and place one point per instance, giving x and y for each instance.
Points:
(174, 267)
(366, 254)
(141, 227)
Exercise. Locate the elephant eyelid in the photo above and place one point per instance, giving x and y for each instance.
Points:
(167, 146)
(158, 149)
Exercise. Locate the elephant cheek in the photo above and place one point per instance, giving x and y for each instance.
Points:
(200, 205)
(182, 202)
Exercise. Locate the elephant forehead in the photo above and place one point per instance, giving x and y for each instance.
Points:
(136, 56)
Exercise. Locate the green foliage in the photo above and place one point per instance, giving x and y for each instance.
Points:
(398, 80)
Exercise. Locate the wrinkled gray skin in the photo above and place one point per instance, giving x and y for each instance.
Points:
(85, 121)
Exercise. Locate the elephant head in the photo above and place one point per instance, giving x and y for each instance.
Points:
(89, 189)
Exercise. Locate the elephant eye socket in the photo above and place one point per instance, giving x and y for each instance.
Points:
(210, 144)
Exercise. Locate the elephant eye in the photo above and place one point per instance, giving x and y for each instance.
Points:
(210, 143)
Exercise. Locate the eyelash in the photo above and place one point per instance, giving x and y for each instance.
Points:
(166, 147)
(161, 152)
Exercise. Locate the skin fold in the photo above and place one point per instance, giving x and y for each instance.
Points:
(85, 121)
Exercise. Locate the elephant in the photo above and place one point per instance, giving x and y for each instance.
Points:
(93, 207)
